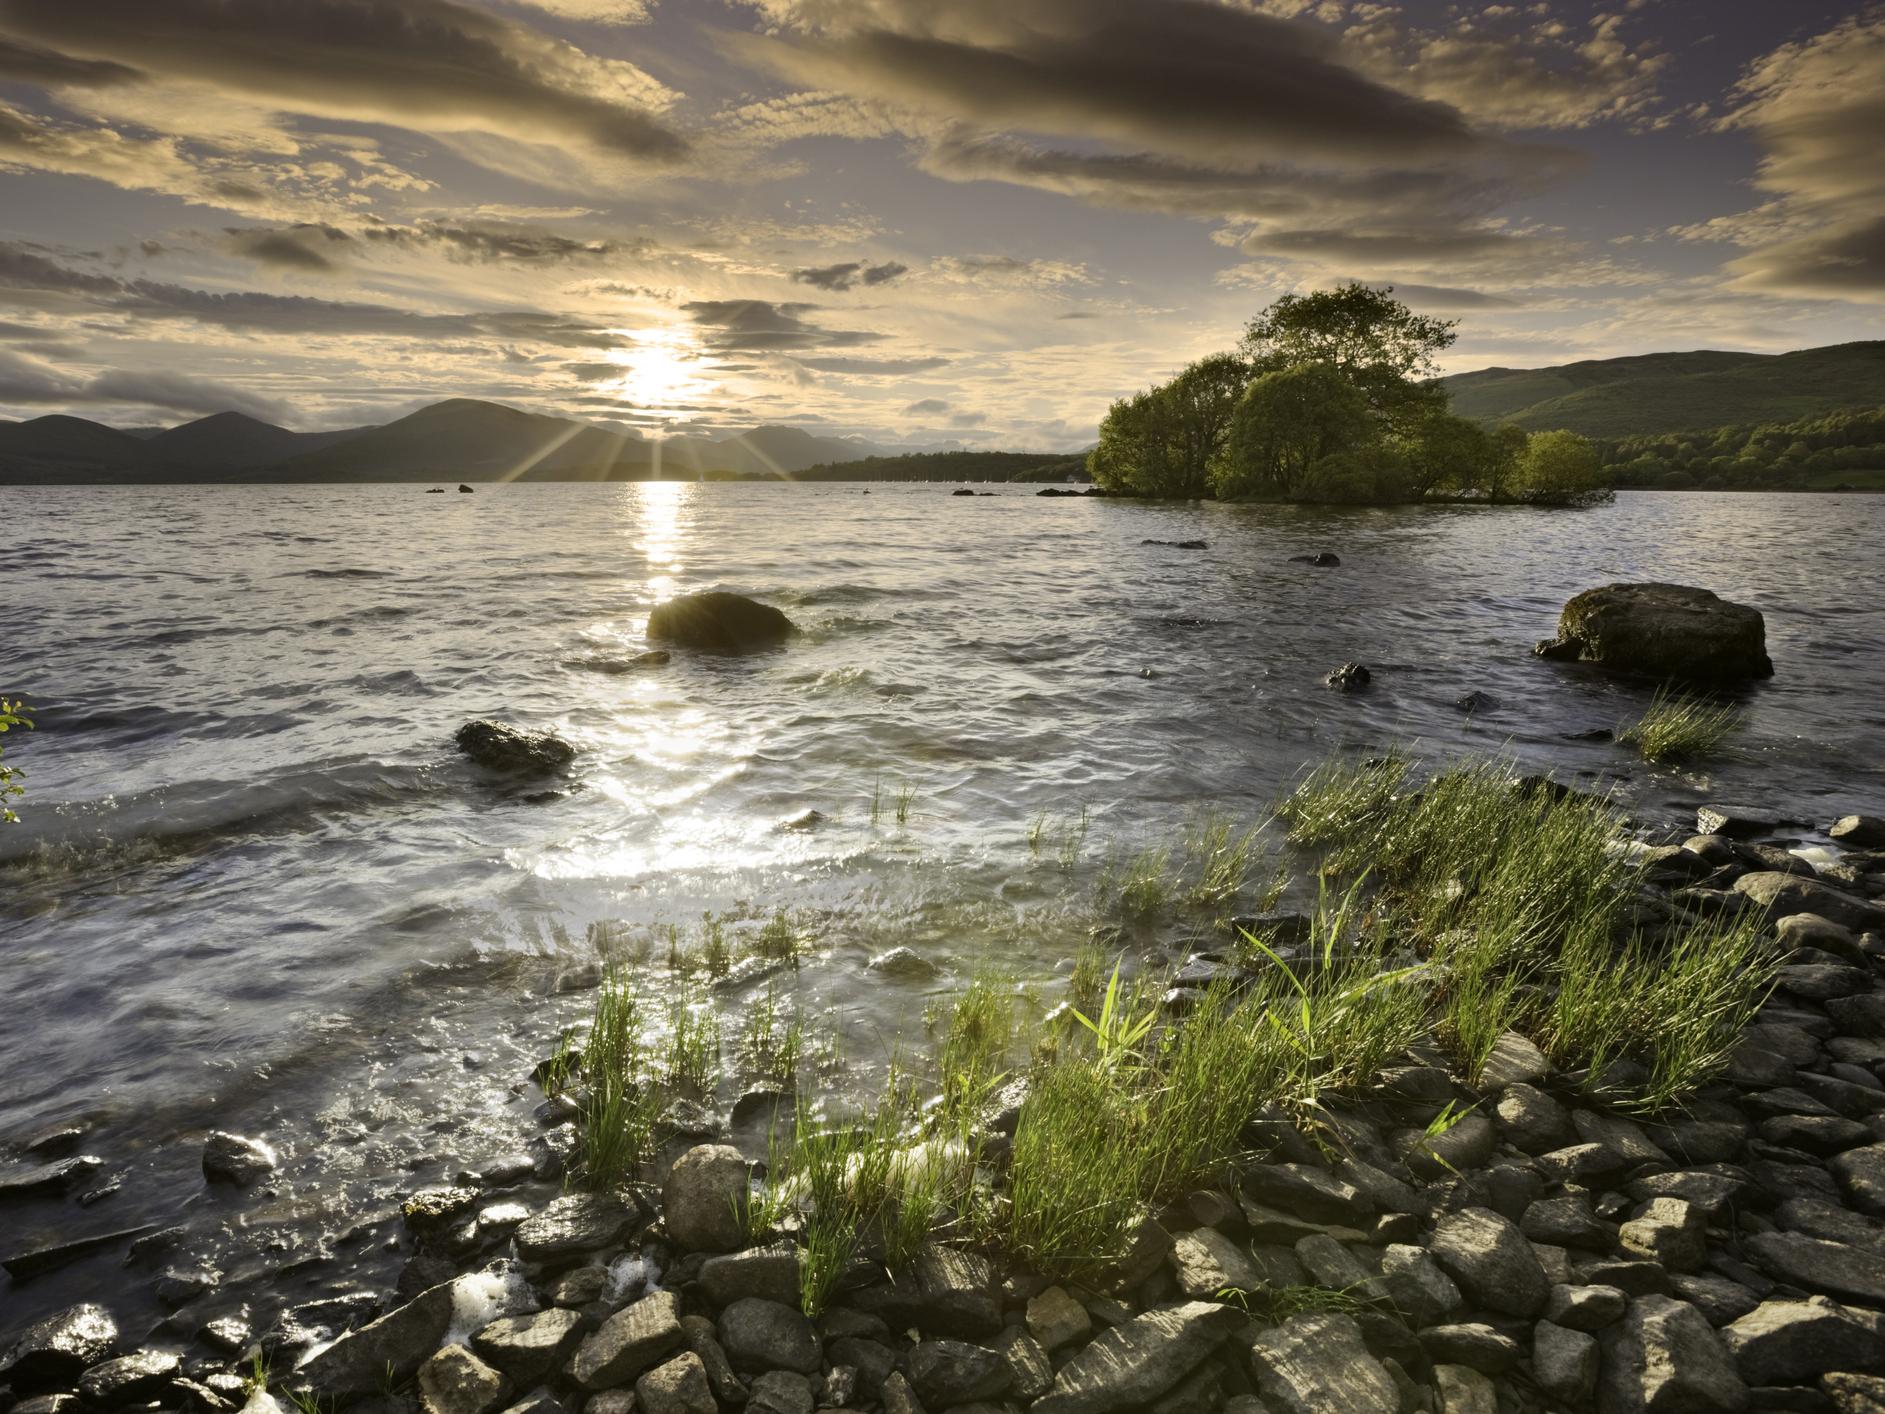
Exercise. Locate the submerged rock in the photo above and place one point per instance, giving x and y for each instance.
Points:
(717, 620)
(1322, 559)
(1663, 630)
(231, 1158)
(502, 747)
(1350, 677)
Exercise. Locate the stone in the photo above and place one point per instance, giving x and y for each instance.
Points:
(387, 1350)
(1206, 1263)
(1585, 1308)
(1720, 1299)
(1564, 1364)
(498, 746)
(1794, 1342)
(1532, 1121)
(781, 1392)
(529, 1349)
(1817, 1265)
(1473, 1344)
(1513, 1060)
(1858, 831)
(704, 1199)
(953, 1292)
(903, 962)
(48, 1180)
(1140, 1359)
(1056, 1319)
(1033, 1372)
(1669, 1231)
(1664, 631)
(1778, 895)
(945, 1373)
(1331, 1265)
(704, 1340)
(1825, 1135)
(1853, 1393)
(1708, 1190)
(677, 1387)
(1416, 1286)
(1466, 1146)
(631, 1341)
(1350, 677)
(1309, 1192)
(1316, 1363)
(764, 1335)
(1568, 1221)
(1809, 930)
(771, 1271)
(1463, 1390)
(1663, 1356)
(230, 1158)
(572, 1225)
(455, 1381)
(898, 1397)
(1491, 1261)
(1861, 1176)
(720, 622)
(129, 1379)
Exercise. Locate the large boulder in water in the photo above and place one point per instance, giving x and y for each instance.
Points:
(1663, 630)
(513, 750)
(726, 623)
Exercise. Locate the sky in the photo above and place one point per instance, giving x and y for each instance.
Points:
(922, 222)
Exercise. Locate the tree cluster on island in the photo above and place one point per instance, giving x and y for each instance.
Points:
(1835, 451)
(1331, 397)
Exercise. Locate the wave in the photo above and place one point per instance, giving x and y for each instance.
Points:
(350, 572)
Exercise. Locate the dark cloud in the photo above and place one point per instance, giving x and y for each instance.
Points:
(431, 65)
(48, 67)
(843, 277)
(1182, 77)
(506, 243)
(29, 272)
(27, 382)
(758, 326)
(302, 247)
(1845, 262)
(927, 405)
(1444, 297)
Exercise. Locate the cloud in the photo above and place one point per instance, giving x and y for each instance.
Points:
(302, 248)
(597, 12)
(927, 405)
(1816, 107)
(319, 247)
(843, 277)
(47, 67)
(29, 382)
(428, 65)
(874, 366)
(27, 271)
(758, 326)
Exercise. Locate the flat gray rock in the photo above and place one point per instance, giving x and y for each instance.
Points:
(1317, 1363)
(1139, 1360)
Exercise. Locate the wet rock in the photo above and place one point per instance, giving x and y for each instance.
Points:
(1178, 544)
(48, 1180)
(764, 1335)
(1322, 559)
(23, 1266)
(629, 1342)
(1778, 895)
(129, 1379)
(389, 1349)
(1669, 1231)
(1491, 1261)
(1859, 831)
(771, 1272)
(455, 1381)
(1663, 1356)
(231, 1158)
(1140, 1359)
(432, 1209)
(55, 1351)
(1477, 702)
(1056, 1319)
(499, 746)
(678, 1387)
(904, 963)
(704, 1199)
(1350, 677)
(615, 664)
(227, 1334)
(1794, 1342)
(1818, 1265)
(720, 622)
(572, 1225)
(704, 1341)
(529, 1349)
(945, 1373)
(1664, 631)
(1318, 1362)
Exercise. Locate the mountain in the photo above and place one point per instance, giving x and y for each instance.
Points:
(460, 439)
(1675, 392)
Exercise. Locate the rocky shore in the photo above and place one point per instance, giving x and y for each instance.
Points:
(1431, 1246)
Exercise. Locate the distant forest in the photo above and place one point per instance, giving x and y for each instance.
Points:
(1841, 450)
(952, 466)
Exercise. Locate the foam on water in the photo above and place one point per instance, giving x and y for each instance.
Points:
(498, 1291)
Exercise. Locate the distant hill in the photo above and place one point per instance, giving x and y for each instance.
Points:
(1651, 394)
(461, 439)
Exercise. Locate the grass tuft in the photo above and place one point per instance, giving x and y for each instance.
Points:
(1681, 726)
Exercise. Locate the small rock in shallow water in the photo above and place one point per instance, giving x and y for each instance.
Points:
(1322, 559)
(48, 1180)
(501, 747)
(903, 962)
(53, 1353)
(1477, 702)
(231, 1158)
(1350, 677)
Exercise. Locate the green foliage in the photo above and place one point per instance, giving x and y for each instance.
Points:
(1681, 726)
(12, 714)
(1285, 423)
(1116, 1035)
(1840, 448)
(1374, 342)
(1161, 442)
(620, 1103)
(1556, 466)
(1448, 452)
(949, 466)
(1078, 1173)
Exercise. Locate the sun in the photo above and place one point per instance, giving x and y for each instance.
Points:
(660, 369)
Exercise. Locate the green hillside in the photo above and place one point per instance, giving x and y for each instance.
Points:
(952, 466)
(1654, 394)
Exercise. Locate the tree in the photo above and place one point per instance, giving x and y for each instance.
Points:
(1284, 424)
(1557, 466)
(1449, 451)
(1162, 441)
(1372, 339)
(1374, 473)
(12, 714)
